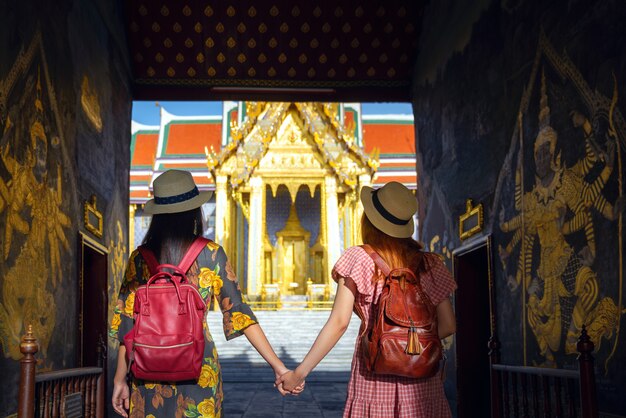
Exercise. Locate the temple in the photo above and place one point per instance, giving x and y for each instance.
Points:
(285, 178)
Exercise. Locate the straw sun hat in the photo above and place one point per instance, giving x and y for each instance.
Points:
(390, 208)
(175, 191)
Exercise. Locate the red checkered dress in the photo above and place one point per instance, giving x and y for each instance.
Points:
(387, 396)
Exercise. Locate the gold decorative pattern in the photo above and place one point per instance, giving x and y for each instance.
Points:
(231, 43)
(187, 11)
(90, 104)
(188, 43)
(274, 11)
(209, 43)
(252, 11)
(241, 58)
(251, 43)
(92, 217)
(230, 11)
(471, 222)
(241, 28)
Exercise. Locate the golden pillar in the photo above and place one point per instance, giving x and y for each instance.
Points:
(222, 212)
(255, 235)
(331, 227)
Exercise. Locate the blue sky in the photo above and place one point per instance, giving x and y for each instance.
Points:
(147, 113)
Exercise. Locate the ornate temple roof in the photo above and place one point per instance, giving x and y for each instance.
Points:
(346, 143)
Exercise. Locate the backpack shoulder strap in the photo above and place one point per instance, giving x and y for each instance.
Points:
(148, 256)
(192, 253)
(377, 259)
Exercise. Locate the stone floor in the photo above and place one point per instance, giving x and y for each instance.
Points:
(262, 400)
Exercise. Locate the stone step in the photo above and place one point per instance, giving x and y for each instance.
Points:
(291, 334)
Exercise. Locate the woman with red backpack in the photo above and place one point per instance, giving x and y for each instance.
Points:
(168, 292)
(402, 296)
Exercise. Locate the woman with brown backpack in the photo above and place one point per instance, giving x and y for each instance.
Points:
(402, 296)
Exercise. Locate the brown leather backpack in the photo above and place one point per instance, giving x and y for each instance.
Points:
(401, 336)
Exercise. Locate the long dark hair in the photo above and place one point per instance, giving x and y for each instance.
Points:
(397, 252)
(170, 234)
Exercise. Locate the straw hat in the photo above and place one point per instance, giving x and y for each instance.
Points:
(175, 191)
(390, 208)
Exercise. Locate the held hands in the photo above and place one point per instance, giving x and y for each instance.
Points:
(290, 382)
(121, 396)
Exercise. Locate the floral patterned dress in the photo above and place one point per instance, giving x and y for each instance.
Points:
(213, 276)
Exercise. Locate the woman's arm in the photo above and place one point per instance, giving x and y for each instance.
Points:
(121, 393)
(445, 318)
(334, 328)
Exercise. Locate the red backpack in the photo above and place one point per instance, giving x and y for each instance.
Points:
(401, 337)
(166, 342)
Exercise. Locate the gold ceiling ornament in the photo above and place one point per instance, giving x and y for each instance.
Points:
(358, 12)
(363, 58)
(322, 59)
(165, 11)
(314, 43)
(295, 12)
(383, 58)
(134, 27)
(291, 72)
(156, 27)
(355, 43)
(351, 72)
(191, 72)
(262, 28)
(317, 12)
(177, 27)
(343, 58)
(338, 11)
(159, 57)
(209, 43)
(251, 43)
(180, 58)
(142, 10)
(231, 72)
(198, 27)
(230, 11)
(138, 57)
(273, 43)
(219, 27)
(221, 58)
(282, 58)
(375, 43)
(396, 43)
(171, 72)
(200, 58)
(367, 28)
(150, 71)
(271, 72)
(251, 11)
(274, 11)
(241, 28)
(331, 73)
(311, 72)
(346, 28)
(211, 72)
(208, 11)
(293, 43)
(391, 72)
(284, 27)
(380, 12)
(334, 43)
(371, 72)
(305, 28)
(168, 43)
(302, 59)
(326, 27)
(388, 28)
(409, 28)
(262, 58)
(90, 104)
(231, 43)
(241, 58)
(92, 217)
(404, 58)
(251, 72)
(188, 43)
(401, 11)
(187, 11)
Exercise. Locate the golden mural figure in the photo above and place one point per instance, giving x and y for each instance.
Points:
(117, 249)
(26, 299)
(562, 293)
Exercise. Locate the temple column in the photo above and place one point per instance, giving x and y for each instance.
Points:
(255, 235)
(331, 229)
(222, 212)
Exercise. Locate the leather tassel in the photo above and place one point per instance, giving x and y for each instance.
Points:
(413, 342)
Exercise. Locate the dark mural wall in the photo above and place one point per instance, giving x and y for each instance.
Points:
(520, 108)
(64, 135)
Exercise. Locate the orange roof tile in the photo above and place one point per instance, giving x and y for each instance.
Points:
(390, 138)
(144, 151)
(191, 138)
